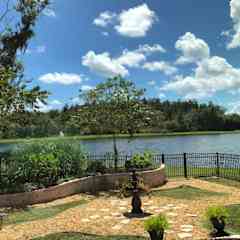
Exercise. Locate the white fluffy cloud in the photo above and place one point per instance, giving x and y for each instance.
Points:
(134, 22)
(61, 78)
(131, 58)
(148, 49)
(211, 75)
(161, 66)
(193, 49)
(235, 15)
(107, 66)
(104, 19)
(49, 12)
(86, 87)
(103, 64)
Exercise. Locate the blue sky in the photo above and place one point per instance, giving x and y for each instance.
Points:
(175, 49)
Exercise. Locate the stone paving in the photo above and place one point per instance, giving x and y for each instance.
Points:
(105, 215)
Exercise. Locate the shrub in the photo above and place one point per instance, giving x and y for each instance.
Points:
(96, 167)
(216, 220)
(217, 212)
(41, 164)
(140, 161)
(156, 226)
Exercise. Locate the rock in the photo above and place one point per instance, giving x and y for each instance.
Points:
(116, 214)
(123, 208)
(172, 214)
(94, 216)
(187, 226)
(117, 227)
(191, 215)
(185, 235)
(105, 209)
(85, 220)
(187, 230)
(125, 221)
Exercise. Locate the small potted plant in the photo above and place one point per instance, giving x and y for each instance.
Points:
(217, 217)
(156, 226)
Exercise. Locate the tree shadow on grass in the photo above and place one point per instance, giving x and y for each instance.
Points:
(84, 236)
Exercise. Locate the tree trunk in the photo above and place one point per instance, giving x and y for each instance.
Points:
(115, 150)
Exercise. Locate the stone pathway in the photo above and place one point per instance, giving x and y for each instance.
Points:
(105, 215)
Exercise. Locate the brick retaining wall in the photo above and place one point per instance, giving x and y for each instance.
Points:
(152, 178)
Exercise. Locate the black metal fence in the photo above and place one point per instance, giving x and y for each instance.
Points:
(177, 165)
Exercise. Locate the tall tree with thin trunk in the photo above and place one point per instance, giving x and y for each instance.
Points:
(116, 107)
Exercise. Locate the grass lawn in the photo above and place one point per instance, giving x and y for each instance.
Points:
(93, 137)
(223, 181)
(80, 236)
(233, 224)
(186, 192)
(33, 214)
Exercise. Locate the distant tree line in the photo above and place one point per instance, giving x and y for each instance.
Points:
(176, 116)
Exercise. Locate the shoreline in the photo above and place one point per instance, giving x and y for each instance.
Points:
(108, 136)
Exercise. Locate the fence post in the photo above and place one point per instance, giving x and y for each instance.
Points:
(217, 165)
(163, 159)
(0, 169)
(185, 164)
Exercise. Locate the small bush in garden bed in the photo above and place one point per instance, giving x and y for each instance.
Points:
(96, 166)
(156, 226)
(140, 161)
(217, 217)
(41, 164)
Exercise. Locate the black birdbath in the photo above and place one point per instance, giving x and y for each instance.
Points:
(136, 200)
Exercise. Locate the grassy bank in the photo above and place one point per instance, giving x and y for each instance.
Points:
(95, 137)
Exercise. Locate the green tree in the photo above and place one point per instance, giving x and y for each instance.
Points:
(115, 107)
(15, 94)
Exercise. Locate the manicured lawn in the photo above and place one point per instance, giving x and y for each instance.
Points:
(223, 181)
(186, 192)
(80, 236)
(92, 137)
(33, 214)
(234, 221)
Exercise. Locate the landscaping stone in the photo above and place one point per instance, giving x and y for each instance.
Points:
(116, 214)
(191, 215)
(185, 235)
(187, 226)
(94, 216)
(117, 227)
(172, 214)
(105, 209)
(125, 221)
(123, 208)
(85, 220)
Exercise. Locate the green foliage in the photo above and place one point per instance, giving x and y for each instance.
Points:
(15, 95)
(96, 166)
(140, 161)
(157, 223)
(39, 213)
(218, 212)
(41, 164)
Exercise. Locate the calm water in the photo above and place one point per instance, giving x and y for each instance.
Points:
(224, 143)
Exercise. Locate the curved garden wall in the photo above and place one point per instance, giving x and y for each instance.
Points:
(152, 178)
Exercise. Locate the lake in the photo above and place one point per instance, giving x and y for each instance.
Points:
(223, 143)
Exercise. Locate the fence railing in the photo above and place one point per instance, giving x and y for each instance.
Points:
(177, 165)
